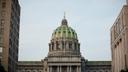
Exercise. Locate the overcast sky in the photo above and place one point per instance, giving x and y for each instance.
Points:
(91, 19)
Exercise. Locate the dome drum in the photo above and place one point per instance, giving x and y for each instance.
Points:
(64, 46)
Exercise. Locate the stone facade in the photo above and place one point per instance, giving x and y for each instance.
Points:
(119, 41)
(89, 66)
(30, 66)
(9, 33)
(98, 66)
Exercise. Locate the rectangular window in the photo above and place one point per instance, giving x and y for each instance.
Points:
(3, 13)
(1, 49)
(3, 4)
(1, 40)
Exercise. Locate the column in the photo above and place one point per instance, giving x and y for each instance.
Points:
(73, 46)
(123, 46)
(50, 69)
(79, 47)
(60, 69)
(52, 46)
(57, 68)
(55, 45)
(68, 69)
(77, 70)
(63, 45)
(49, 47)
(67, 46)
(119, 52)
(60, 43)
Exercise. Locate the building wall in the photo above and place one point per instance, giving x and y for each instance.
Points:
(98, 66)
(39, 66)
(30, 66)
(9, 33)
(119, 41)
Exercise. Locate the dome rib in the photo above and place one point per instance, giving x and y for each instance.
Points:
(64, 31)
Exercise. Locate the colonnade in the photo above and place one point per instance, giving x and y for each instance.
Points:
(64, 69)
(61, 45)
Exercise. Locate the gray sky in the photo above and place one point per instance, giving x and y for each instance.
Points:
(91, 19)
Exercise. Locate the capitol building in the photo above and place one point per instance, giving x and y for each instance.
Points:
(64, 55)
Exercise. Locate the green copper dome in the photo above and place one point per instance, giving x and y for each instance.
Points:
(64, 31)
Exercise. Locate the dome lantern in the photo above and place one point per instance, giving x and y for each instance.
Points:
(64, 21)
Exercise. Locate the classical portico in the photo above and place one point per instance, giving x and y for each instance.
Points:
(64, 64)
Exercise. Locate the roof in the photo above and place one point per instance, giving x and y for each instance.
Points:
(98, 63)
(30, 63)
(64, 31)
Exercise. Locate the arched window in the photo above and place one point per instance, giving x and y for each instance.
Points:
(62, 44)
(75, 46)
(57, 45)
(70, 45)
(49, 47)
(78, 45)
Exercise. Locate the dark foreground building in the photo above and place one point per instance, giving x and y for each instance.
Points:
(9, 34)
